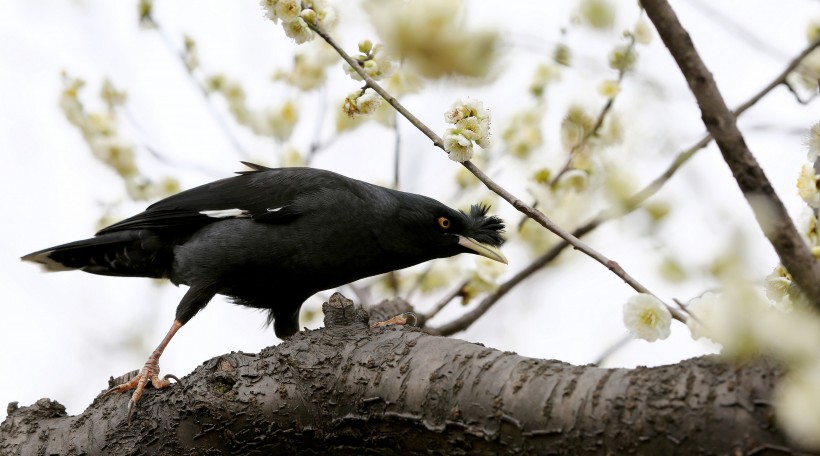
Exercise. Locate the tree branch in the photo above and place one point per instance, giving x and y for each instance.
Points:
(464, 321)
(771, 215)
(348, 389)
(518, 204)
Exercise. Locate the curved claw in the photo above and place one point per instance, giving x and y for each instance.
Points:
(149, 372)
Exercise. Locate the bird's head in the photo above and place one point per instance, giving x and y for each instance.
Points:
(443, 232)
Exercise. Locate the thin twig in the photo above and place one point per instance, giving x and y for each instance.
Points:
(316, 144)
(612, 349)
(518, 204)
(737, 30)
(166, 158)
(446, 299)
(599, 122)
(769, 211)
(630, 205)
(218, 118)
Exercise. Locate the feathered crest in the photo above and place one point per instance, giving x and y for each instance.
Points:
(482, 228)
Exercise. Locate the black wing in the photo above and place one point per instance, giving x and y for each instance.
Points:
(268, 195)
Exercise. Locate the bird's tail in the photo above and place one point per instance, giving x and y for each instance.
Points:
(130, 253)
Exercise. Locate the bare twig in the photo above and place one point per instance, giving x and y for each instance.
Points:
(612, 349)
(518, 204)
(316, 144)
(163, 157)
(771, 215)
(631, 204)
(737, 30)
(446, 299)
(599, 122)
(218, 118)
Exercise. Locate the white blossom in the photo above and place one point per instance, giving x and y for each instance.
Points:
(287, 10)
(298, 30)
(294, 13)
(642, 32)
(574, 179)
(368, 101)
(708, 317)
(797, 405)
(472, 125)
(282, 119)
(647, 318)
(458, 147)
(778, 284)
(807, 186)
(522, 133)
(361, 103)
(609, 88)
(813, 142)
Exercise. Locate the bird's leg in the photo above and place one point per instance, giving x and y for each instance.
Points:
(401, 319)
(150, 371)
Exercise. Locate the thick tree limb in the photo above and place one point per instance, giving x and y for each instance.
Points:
(721, 122)
(347, 389)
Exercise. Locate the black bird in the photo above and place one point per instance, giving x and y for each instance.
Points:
(269, 239)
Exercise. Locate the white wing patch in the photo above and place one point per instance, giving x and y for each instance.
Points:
(226, 213)
(275, 210)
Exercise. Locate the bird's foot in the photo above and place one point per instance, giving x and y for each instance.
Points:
(149, 372)
(407, 318)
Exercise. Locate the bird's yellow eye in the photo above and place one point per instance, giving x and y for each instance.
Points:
(444, 223)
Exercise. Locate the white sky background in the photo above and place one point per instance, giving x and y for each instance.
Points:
(64, 334)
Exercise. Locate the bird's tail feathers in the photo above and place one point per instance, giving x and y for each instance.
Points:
(123, 253)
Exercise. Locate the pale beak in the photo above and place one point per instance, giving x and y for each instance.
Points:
(485, 250)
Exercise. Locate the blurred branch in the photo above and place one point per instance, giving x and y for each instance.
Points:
(446, 299)
(220, 121)
(612, 349)
(721, 123)
(629, 205)
(163, 157)
(518, 204)
(316, 145)
(736, 30)
(599, 121)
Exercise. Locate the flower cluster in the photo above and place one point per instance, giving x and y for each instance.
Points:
(472, 125)
(807, 186)
(430, 35)
(522, 133)
(647, 318)
(234, 95)
(295, 16)
(545, 74)
(813, 143)
(309, 66)
(280, 120)
(361, 102)
(709, 317)
(100, 130)
(598, 14)
(797, 402)
(483, 279)
(374, 60)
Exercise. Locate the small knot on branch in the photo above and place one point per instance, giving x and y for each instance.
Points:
(340, 311)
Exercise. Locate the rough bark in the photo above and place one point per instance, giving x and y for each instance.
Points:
(349, 389)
